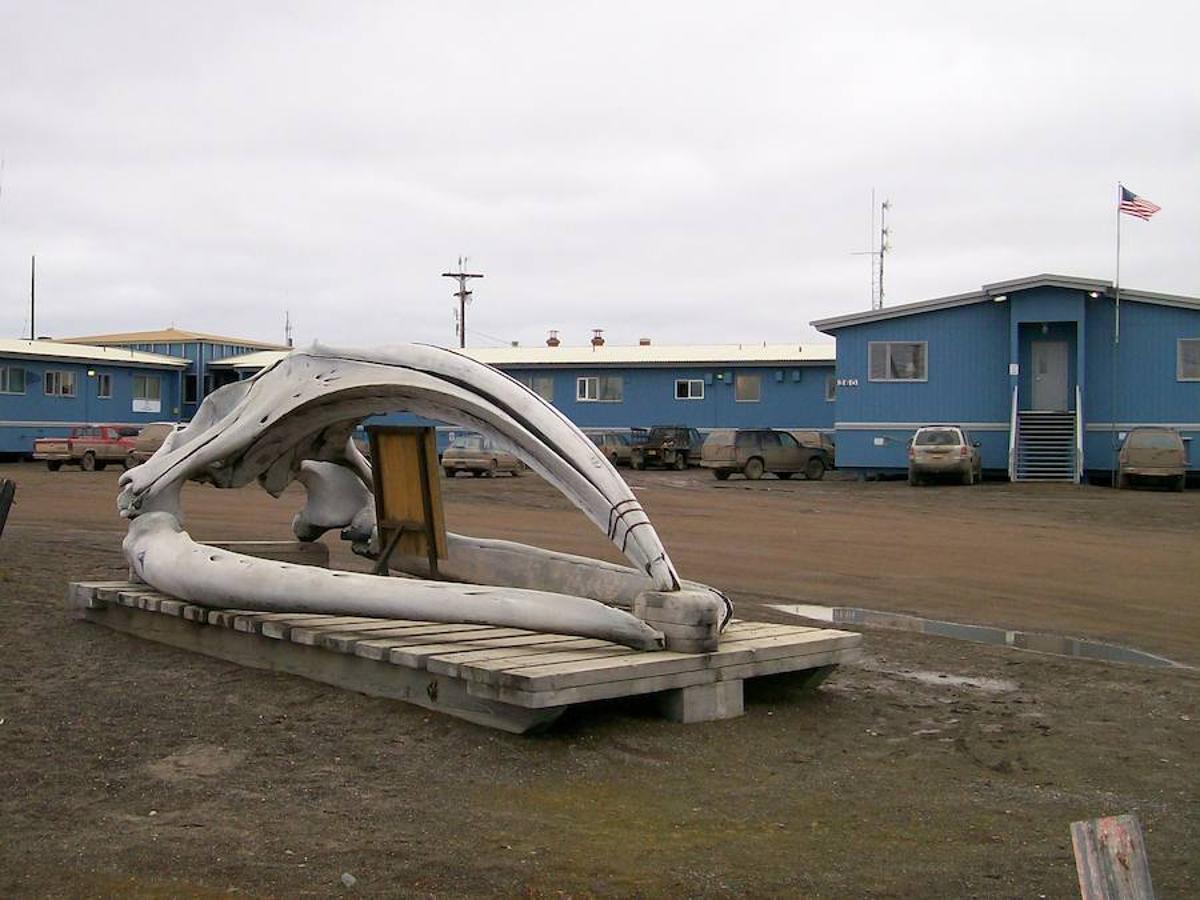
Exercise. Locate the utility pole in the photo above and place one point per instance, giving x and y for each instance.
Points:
(287, 327)
(32, 296)
(463, 296)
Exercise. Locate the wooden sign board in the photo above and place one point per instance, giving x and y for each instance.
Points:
(408, 498)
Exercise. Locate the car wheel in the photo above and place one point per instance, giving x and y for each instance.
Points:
(784, 475)
(754, 469)
(814, 469)
(54, 464)
(612, 458)
(913, 480)
(518, 469)
(449, 472)
(128, 462)
(1122, 481)
(968, 477)
(88, 463)
(638, 464)
(491, 469)
(721, 474)
(1181, 483)
(680, 462)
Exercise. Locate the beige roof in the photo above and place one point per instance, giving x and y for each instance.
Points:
(86, 353)
(166, 336)
(711, 354)
(655, 354)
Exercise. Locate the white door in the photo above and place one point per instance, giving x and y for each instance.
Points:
(1050, 375)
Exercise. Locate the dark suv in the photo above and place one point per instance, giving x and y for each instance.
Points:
(672, 446)
(756, 451)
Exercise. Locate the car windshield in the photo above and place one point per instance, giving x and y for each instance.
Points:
(937, 437)
(664, 434)
(1153, 440)
(468, 443)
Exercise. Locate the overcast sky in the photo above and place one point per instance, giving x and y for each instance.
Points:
(691, 172)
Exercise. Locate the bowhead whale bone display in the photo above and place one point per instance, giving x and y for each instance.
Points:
(293, 421)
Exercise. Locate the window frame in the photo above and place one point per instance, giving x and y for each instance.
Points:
(592, 384)
(56, 381)
(692, 384)
(924, 345)
(748, 377)
(1180, 374)
(147, 380)
(831, 388)
(104, 386)
(6, 379)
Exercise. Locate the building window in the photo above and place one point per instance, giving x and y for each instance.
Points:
(747, 388)
(600, 389)
(104, 386)
(12, 380)
(147, 393)
(542, 385)
(830, 388)
(689, 389)
(59, 383)
(1189, 359)
(898, 361)
(190, 384)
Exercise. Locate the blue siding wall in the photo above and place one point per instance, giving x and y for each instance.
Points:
(968, 353)
(26, 417)
(1147, 389)
(790, 397)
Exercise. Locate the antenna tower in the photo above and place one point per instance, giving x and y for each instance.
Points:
(877, 254)
(463, 295)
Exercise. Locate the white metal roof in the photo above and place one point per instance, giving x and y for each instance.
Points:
(648, 355)
(57, 350)
(997, 291)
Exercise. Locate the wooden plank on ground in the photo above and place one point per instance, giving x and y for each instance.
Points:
(552, 675)
(607, 690)
(1110, 859)
(345, 643)
(380, 648)
(281, 631)
(420, 656)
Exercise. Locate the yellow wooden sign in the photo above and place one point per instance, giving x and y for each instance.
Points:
(408, 499)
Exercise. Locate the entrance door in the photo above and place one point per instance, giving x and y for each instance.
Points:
(1050, 375)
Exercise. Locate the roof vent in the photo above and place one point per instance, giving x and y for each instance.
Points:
(514, 343)
(552, 340)
(597, 338)
(643, 342)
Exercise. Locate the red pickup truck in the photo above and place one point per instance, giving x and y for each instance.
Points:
(91, 447)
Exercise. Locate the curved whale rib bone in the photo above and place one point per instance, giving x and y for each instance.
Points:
(293, 421)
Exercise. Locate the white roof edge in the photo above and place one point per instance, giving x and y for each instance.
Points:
(87, 353)
(997, 288)
(608, 355)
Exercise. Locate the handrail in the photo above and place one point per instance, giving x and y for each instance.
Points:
(1078, 435)
(1012, 438)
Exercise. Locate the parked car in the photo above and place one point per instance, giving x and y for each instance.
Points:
(477, 454)
(91, 447)
(149, 439)
(672, 446)
(616, 445)
(818, 439)
(757, 451)
(939, 450)
(1153, 453)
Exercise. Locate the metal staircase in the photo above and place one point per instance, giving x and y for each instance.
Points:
(1046, 446)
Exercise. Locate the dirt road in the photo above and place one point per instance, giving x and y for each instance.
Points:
(936, 768)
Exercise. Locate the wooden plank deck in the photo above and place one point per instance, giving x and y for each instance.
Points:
(506, 678)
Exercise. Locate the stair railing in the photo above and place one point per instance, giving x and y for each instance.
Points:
(1078, 435)
(1012, 438)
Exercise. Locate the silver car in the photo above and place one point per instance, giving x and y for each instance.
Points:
(938, 451)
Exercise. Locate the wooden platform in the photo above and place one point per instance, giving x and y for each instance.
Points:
(505, 678)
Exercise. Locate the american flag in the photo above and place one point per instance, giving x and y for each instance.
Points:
(1133, 205)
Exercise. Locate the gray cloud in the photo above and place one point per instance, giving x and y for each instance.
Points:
(694, 172)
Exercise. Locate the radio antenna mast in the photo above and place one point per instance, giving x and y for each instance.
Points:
(877, 255)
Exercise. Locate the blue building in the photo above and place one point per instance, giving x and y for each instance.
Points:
(197, 348)
(724, 386)
(48, 387)
(1046, 372)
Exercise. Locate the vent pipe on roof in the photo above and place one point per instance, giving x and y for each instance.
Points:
(597, 338)
(552, 340)
(643, 342)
